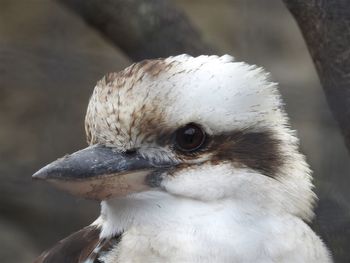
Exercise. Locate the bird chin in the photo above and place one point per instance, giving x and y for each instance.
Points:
(106, 186)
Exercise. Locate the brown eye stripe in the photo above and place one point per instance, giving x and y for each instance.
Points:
(257, 150)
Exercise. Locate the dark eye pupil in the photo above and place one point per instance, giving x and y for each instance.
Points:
(189, 137)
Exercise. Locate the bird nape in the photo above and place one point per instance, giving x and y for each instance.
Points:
(193, 160)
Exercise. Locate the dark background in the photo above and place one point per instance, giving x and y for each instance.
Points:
(50, 61)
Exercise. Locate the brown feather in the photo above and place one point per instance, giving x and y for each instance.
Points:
(74, 249)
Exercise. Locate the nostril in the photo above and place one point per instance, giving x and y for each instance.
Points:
(130, 152)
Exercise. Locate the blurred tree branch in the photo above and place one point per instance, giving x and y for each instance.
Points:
(142, 28)
(325, 26)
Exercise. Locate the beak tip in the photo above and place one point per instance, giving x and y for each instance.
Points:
(39, 175)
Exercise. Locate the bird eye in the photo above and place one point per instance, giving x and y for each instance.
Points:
(189, 138)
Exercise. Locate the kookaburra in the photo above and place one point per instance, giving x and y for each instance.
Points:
(194, 160)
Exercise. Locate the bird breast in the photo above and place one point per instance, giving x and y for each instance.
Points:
(195, 231)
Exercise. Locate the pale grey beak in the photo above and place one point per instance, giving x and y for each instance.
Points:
(100, 172)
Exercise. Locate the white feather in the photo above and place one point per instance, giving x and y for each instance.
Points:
(206, 213)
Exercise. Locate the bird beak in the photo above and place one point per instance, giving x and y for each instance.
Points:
(99, 172)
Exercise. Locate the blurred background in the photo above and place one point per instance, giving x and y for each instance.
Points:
(50, 61)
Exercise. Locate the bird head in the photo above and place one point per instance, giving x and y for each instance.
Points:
(205, 128)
